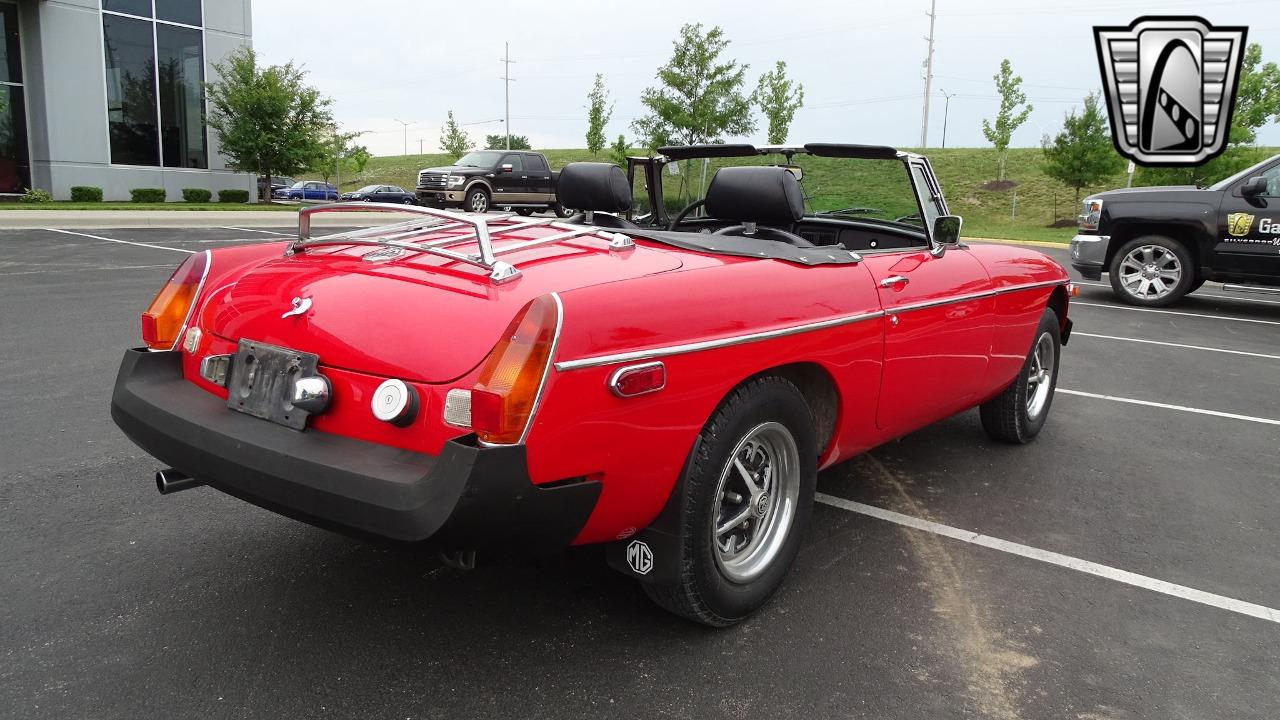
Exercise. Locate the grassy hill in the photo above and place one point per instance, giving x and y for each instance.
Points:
(963, 173)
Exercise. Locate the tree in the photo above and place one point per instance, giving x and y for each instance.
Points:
(335, 153)
(599, 112)
(1082, 154)
(1257, 103)
(1010, 117)
(700, 98)
(779, 98)
(453, 139)
(499, 142)
(268, 121)
(620, 151)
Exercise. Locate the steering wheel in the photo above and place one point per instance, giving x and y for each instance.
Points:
(683, 213)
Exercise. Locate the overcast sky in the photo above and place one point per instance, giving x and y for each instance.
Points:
(860, 61)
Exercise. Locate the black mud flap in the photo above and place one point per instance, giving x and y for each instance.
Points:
(656, 553)
(1065, 337)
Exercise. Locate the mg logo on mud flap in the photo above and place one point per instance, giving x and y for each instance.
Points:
(639, 557)
(1170, 84)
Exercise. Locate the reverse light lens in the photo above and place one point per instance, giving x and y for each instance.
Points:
(503, 399)
(1091, 216)
(165, 317)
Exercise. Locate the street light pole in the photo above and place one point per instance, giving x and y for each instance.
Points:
(506, 80)
(406, 134)
(946, 112)
(928, 75)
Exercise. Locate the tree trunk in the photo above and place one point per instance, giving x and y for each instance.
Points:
(267, 190)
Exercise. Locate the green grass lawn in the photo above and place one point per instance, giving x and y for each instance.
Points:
(144, 206)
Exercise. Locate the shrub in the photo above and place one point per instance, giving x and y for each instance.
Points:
(233, 196)
(35, 195)
(196, 195)
(86, 194)
(148, 195)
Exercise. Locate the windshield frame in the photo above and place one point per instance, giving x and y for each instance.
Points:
(497, 157)
(1243, 174)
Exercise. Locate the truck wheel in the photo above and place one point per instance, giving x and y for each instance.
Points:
(1017, 414)
(561, 211)
(747, 498)
(1152, 271)
(477, 200)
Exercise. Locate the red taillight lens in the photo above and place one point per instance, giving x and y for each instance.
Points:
(638, 380)
(166, 315)
(503, 399)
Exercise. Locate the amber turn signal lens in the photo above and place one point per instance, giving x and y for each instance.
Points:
(504, 396)
(164, 318)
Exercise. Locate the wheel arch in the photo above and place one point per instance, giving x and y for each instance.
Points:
(820, 393)
(484, 185)
(1184, 235)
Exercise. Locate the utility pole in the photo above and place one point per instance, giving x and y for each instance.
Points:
(928, 76)
(946, 112)
(420, 146)
(406, 134)
(506, 79)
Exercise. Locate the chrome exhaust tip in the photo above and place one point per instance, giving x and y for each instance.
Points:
(169, 481)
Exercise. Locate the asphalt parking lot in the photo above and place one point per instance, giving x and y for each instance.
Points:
(1128, 562)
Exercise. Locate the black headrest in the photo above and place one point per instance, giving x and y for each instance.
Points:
(765, 195)
(594, 186)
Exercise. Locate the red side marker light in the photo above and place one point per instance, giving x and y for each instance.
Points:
(638, 379)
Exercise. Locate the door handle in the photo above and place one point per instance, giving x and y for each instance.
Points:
(894, 280)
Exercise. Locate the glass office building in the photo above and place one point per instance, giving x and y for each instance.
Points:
(109, 93)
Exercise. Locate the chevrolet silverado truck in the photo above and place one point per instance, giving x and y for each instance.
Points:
(1159, 243)
(484, 179)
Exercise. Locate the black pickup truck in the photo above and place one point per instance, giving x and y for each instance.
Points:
(1160, 243)
(484, 179)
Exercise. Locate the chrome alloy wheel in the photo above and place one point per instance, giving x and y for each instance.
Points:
(1150, 272)
(755, 501)
(479, 202)
(1040, 376)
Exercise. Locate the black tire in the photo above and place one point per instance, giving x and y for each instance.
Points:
(524, 212)
(477, 200)
(1011, 416)
(1166, 255)
(1195, 285)
(704, 592)
(561, 211)
(409, 201)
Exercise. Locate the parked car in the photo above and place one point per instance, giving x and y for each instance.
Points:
(307, 190)
(268, 189)
(1157, 244)
(669, 390)
(382, 194)
(484, 179)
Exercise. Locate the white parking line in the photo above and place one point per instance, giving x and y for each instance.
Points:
(265, 232)
(123, 242)
(86, 269)
(1176, 345)
(1089, 568)
(1075, 303)
(1196, 294)
(1166, 406)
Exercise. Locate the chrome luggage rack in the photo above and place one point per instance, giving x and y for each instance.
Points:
(394, 235)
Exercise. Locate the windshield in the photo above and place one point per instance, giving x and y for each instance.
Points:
(852, 188)
(481, 159)
(369, 189)
(1224, 184)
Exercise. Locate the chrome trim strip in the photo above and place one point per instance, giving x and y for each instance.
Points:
(942, 301)
(195, 300)
(711, 344)
(1031, 286)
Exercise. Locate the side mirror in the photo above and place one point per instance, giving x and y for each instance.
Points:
(506, 167)
(946, 229)
(1254, 187)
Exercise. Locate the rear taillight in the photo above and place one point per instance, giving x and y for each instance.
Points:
(165, 318)
(506, 393)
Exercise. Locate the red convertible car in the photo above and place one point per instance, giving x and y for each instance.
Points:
(669, 386)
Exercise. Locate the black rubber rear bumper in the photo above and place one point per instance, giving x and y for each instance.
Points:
(467, 497)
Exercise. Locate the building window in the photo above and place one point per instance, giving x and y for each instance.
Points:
(15, 168)
(155, 75)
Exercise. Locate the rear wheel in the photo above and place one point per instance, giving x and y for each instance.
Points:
(1152, 271)
(1017, 414)
(561, 211)
(747, 499)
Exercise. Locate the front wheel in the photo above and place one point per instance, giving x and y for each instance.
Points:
(746, 500)
(1152, 271)
(477, 201)
(1017, 414)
